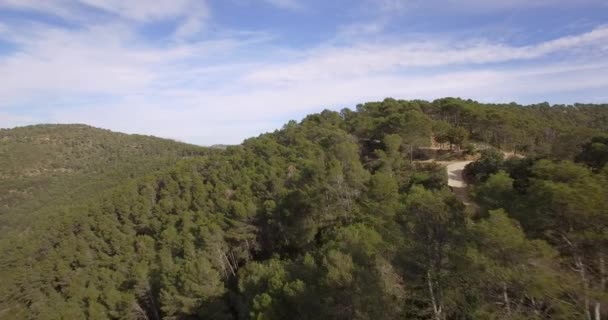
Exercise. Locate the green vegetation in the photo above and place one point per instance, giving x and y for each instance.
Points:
(325, 219)
(45, 167)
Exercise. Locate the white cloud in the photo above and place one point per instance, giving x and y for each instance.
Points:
(139, 10)
(207, 117)
(326, 63)
(101, 60)
(194, 13)
(143, 10)
(59, 8)
(61, 62)
(190, 27)
(355, 31)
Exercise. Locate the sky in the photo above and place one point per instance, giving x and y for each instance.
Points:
(219, 71)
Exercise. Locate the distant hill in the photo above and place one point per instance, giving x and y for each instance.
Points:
(45, 166)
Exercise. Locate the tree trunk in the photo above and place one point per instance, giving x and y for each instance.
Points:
(505, 296)
(229, 264)
(224, 259)
(598, 305)
(583, 274)
(602, 273)
(436, 307)
(411, 154)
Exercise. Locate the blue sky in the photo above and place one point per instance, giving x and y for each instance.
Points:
(219, 71)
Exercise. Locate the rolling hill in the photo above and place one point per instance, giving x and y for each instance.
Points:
(45, 167)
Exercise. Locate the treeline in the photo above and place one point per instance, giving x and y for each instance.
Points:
(556, 131)
(330, 219)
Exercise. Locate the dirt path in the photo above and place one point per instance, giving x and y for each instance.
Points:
(455, 180)
(454, 170)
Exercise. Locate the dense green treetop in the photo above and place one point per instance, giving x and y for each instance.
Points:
(43, 167)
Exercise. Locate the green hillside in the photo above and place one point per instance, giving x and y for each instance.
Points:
(327, 218)
(44, 167)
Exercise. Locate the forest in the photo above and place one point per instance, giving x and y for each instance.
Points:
(338, 216)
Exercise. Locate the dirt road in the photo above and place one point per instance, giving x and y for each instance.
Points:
(455, 180)
(454, 170)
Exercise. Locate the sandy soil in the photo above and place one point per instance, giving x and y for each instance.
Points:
(454, 170)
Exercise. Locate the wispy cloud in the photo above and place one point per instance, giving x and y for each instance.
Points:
(363, 59)
(142, 10)
(208, 117)
(58, 8)
(358, 30)
(193, 13)
(139, 10)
